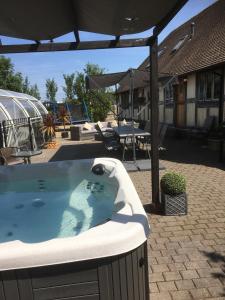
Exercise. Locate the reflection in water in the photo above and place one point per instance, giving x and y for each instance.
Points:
(54, 209)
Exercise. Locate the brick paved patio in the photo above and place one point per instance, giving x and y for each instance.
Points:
(187, 253)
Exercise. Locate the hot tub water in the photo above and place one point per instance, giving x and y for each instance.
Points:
(42, 209)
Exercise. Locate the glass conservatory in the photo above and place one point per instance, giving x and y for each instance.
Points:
(21, 117)
(15, 105)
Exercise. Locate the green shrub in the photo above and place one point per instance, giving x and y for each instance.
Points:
(173, 184)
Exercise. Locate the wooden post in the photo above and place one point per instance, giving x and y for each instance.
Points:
(221, 113)
(154, 105)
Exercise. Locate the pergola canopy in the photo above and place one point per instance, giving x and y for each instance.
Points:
(48, 19)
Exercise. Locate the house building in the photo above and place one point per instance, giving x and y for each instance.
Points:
(191, 67)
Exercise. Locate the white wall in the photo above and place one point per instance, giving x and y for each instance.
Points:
(191, 86)
(190, 114)
(201, 116)
(168, 116)
(161, 113)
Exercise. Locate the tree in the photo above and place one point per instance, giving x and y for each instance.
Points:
(51, 89)
(34, 91)
(99, 102)
(26, 86)
(69, 86)
(9, 80)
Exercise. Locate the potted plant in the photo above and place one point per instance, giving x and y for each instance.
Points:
(173, 194)
(48, 130)
(64, 118)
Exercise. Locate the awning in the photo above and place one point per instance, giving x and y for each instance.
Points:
(104, 80)
(48, 19)
(140, 79)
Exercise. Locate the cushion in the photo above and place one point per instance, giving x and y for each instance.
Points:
(100, 125)
(124, 122)
(114, 124)
(87, 126)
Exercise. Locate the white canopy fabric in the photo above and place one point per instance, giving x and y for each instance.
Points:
(48, 19)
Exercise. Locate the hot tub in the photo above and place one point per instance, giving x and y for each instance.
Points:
(72, 230)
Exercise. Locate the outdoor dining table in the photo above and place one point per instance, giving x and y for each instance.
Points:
(129, 131)
(26, 155)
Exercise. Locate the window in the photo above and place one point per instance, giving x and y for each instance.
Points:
(168, 93)
(125, 100)
(13, 108)
(208, 85)
(29, 108)
(2, 116)
(40, 107)
(179, 44)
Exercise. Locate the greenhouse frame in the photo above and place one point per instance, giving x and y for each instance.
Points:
(15, 105)
(21, 117)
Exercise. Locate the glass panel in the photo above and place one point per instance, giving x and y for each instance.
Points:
(209, 85)
(217, 87)
(2, 116)
(12, 107)
(201, 86)
(29, 108)
(125, 100)
(168, 92)
(39, 107)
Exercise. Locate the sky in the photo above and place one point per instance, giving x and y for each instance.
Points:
(40, 66)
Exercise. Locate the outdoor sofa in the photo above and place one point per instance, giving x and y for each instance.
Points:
(82, 132)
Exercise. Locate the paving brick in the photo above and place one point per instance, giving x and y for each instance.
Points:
(167, 286)
(176, 266)
(184, 284)
(160, 296)
(196, 264)
(218, 291)
(160, 268)
(189, 274)
(172, 276)
(181, 295)
(153, 288)
(156, 277)
(164, 259)
(180, 258)
(207, 282)
(199, 293)
(212, 272)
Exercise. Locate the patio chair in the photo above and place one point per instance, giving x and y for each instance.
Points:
(110, 140)
(162, 133)
(205, 130)
(104, 134)
(127, 144)
(147, 139)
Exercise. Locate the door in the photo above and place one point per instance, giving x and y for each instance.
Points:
(180, 104)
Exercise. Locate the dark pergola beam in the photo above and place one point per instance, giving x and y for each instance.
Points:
(154, 105)
(72, 46)
(164, 22)
(77, 36)
(221, 111)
